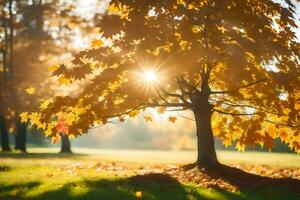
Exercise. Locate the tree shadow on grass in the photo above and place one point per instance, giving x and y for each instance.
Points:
(243, 179)
(153, 186)
(252, 186)
(4, 168)
(15, 191)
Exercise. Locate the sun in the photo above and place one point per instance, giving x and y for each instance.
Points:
(148, 79)
(150, 76)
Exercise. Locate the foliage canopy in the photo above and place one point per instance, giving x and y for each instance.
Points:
(240, 57)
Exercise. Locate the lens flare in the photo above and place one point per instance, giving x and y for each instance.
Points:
(150, 76)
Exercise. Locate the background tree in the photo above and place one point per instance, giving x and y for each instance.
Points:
(23, 18)
(234, 64)
(6, 47)
(42, 31)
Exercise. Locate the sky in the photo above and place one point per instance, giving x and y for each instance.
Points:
(137, 133)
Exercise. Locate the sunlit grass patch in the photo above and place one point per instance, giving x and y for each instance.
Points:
(52, 176)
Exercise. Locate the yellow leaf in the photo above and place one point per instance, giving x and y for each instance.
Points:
(34, 118)
(30, 90)
(48, 132)
(183, 44)
(133, 113)
(240, 146)
(24, 117)
(227, 142)
(71, 136)
(97, 43)
(70, 118)
(172, 119)
(272, 131)
(222, 29)
(114, 8)
(52, 68)
(50, 129)
(180, 2)
(44, 104)
(139, 194)
(41, 125)
(191, 6)
(195, 29)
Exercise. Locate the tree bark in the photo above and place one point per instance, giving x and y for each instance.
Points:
(4, 135)
(21, 137)
(65, 144)
(202, 109)
(207, 156)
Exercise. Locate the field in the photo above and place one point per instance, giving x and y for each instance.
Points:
(128, 174)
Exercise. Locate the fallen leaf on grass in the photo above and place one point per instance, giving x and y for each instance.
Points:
(139, 194)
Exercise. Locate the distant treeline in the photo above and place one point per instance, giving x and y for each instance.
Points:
(278, 147)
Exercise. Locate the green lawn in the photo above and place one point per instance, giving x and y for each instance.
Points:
(43, 174)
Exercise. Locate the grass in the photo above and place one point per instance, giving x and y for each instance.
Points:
(43, 175)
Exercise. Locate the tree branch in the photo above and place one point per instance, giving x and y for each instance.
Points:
(182, 81)
(157, 104)
(185, 117)
(250, 106)
(236, 114)
(282, 124)
(181, 97)
(183, 91)
(242, 87)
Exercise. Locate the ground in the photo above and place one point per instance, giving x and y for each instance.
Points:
(124, 175)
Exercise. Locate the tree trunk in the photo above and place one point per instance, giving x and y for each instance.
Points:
(11, 37)
(65, 144)
(4, 135)
(21, 136)
(207, 156)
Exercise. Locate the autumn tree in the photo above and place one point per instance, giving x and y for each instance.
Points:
(234, 64)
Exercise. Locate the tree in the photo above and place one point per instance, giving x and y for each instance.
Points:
(234, 64)
(6, 47)
(35, 41)
(16, 19)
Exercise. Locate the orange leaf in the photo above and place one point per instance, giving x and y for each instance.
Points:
(172, 119)
(161, 110)
(63, 80)
(148, 118)
(97, 43)
(283, 134)
(55, 139)
(62, 127)
(122, 119)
